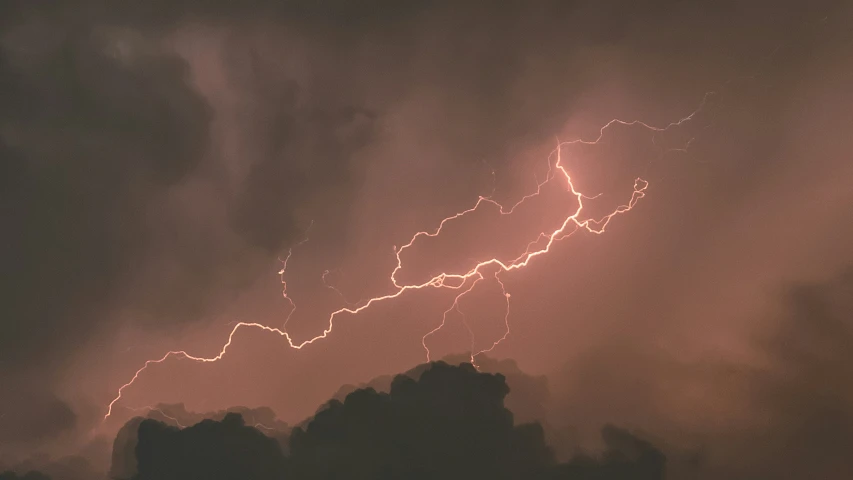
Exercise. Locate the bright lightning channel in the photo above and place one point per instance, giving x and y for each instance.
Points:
(463, 282)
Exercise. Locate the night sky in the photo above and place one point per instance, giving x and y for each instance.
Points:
(160, 160)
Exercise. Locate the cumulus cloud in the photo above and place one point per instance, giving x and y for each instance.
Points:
(527, 398)
(450, 422)
(210, 449)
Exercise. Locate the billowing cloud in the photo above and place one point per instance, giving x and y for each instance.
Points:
(448, 423)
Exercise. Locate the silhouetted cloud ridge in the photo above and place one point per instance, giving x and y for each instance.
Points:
(448, 423)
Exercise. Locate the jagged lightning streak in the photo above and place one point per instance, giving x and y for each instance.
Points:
(454, 306)
(336, 289)
(257, 424)
(462, 282)
(283, 271)
(149, 408)
(178, 423)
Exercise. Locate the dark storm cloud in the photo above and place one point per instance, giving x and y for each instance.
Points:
(90, 129)
(300, 149)
(95, 130)
(124, 464)
(806, 393)
(99, 122)
(122, 187)
(802, 423)
(101, 125)
(789, 416)
(527, 398)
(625, 457)
(66, 468)
(210, 449)
(32, 415)
(449, 423)
(84, 141)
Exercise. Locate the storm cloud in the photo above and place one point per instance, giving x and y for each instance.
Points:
(448, 423)
(158, 161)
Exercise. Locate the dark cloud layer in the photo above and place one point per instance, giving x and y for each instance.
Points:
(85, 142)
(124, 462)
(66, 468)
(210, 449)
(788, 416)
(806, 392)
(31, 415)
(449, 423)
(527, 397)
(803, 428)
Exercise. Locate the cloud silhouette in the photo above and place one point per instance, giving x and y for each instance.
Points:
(527, 398)
(210, 449)
(449, 422)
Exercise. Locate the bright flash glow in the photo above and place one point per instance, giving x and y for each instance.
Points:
(462, 282)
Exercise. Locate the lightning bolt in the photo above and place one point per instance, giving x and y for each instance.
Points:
(461, 282)
(335, 289)
(149, 408)
(264, 427)
(283, 271)
(257, 424)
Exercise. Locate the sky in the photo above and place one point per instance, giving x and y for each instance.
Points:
(160, 162)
